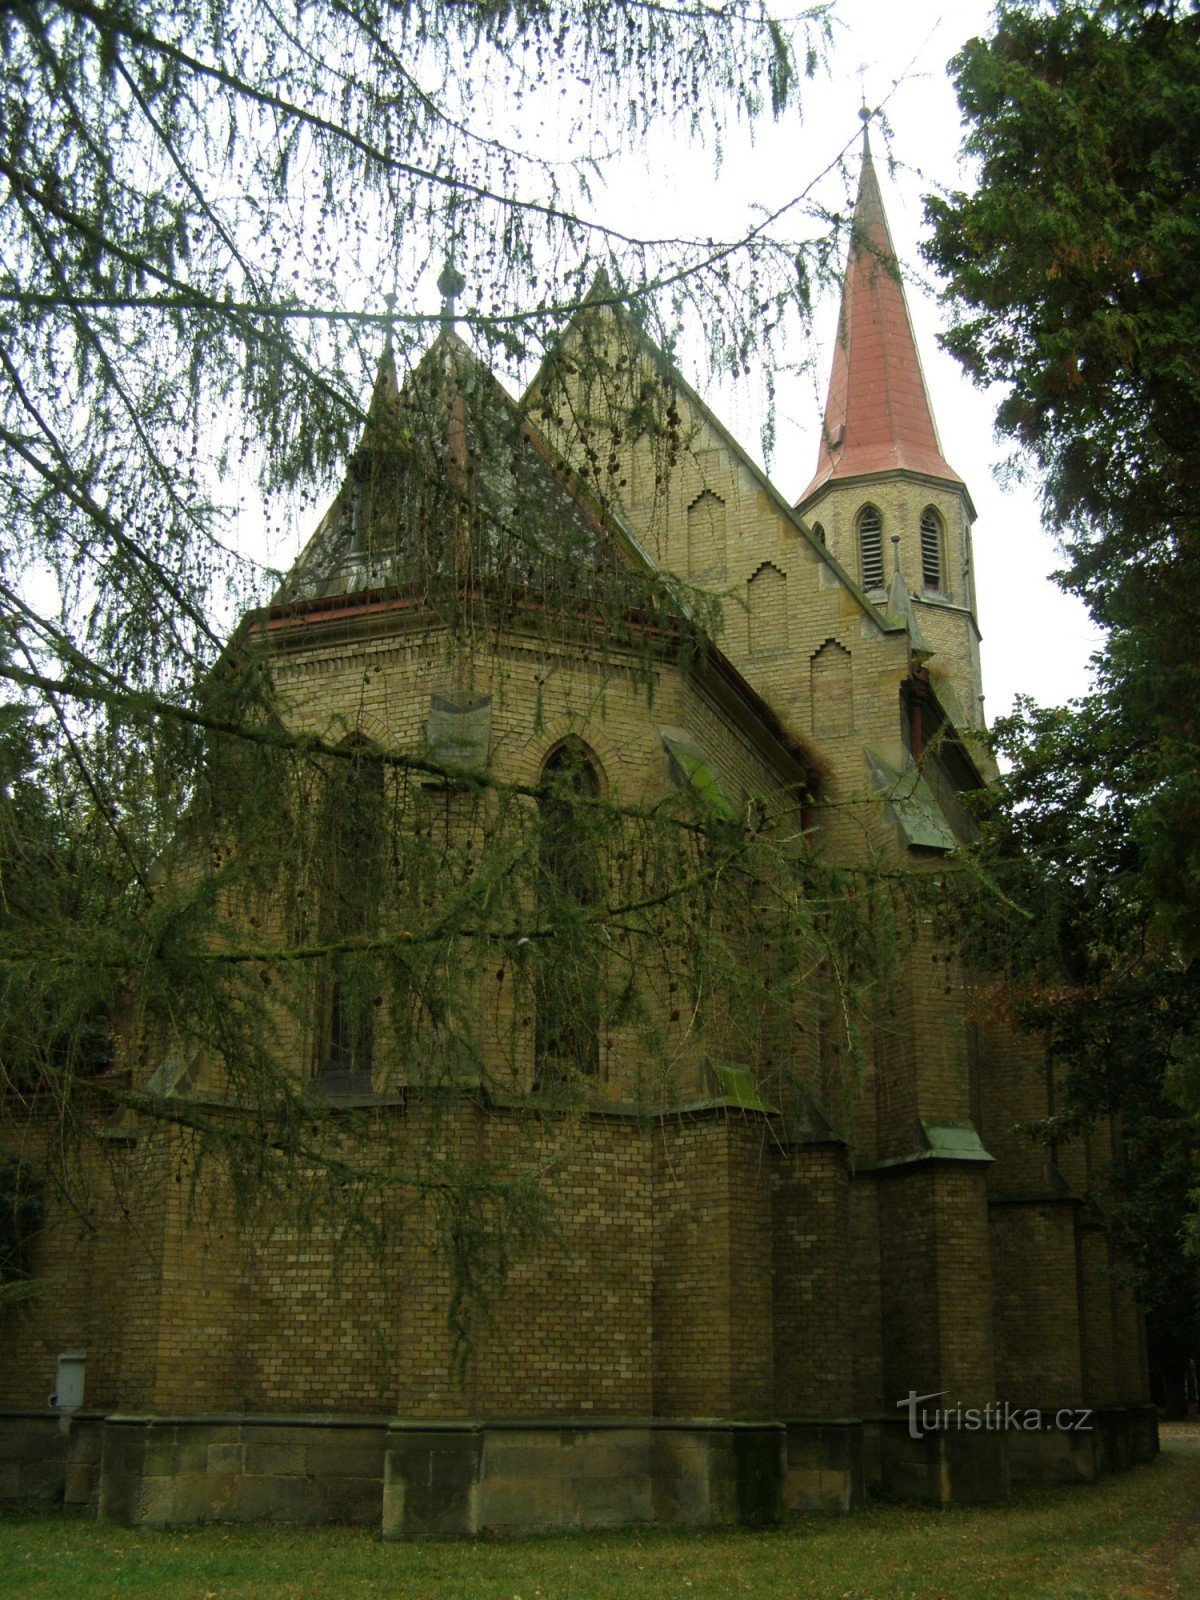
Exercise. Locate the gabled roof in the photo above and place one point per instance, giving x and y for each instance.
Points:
(451, 479)
(877, 415)
(603, 297)
(458, 487)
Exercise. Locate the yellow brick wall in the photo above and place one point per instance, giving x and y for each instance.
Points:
(96, 1268)
(817, 1289)
(831, 673)
(1039, 1351)
(945, 614)
(541, 693)
(697, 1264)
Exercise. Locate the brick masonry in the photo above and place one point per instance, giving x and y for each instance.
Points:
(732, 1299)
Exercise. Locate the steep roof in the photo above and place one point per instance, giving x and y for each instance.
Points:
(603, 298)
(452, 481)
(877, 415)
(457, 485)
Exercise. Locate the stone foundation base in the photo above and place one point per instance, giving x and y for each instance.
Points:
(48, 1459)
(165, 1470)
(1112, 1439)
(1143, 1432)
(415, 1478)
(952, 1466)
(826, 1466)
(513, 1477)
(1127, 1434)
(1053, 1454)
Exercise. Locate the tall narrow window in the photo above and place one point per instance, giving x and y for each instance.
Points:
(352, 841)
(931, 549)
(870, 547)
(818, 529)
(20, 1216)
(567, 983)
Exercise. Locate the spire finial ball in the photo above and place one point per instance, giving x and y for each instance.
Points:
(450, 284)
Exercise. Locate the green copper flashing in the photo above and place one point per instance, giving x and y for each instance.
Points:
(941, 1139)
(898, 781)
(690, 766)
(736, 1087)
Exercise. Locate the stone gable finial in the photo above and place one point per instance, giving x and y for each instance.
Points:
(450, 284)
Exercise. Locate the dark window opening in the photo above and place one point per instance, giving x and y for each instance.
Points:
(567, 1033)
(870, 544)
(353, 840)
(21, 1214)
(931, 549)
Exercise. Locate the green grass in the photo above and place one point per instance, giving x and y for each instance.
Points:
(1131, 1537)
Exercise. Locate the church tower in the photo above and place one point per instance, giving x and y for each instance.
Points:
(883, 497)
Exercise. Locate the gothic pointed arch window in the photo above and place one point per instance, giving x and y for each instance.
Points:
(869, 526)
(567, 1041)
(931, 549)
(352, 843)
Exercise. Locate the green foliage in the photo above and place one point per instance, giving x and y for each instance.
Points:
(1072, 275)
(1071, 271)
(202, 203)
(1072, 265)
(205, 206)
(63, 864)
(1089, 969)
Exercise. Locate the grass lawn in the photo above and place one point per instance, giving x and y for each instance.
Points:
(1132, 1537)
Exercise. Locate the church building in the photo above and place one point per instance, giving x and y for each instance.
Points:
(793, 1249)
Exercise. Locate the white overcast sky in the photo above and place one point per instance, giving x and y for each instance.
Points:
(1036, 640)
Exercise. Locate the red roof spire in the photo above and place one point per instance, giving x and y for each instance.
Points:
(877, 414)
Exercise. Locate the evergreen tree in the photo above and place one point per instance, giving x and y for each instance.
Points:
(1071, 271)
(216, 216)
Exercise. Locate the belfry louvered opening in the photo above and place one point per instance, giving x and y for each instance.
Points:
(870, 545)
(931, 549)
